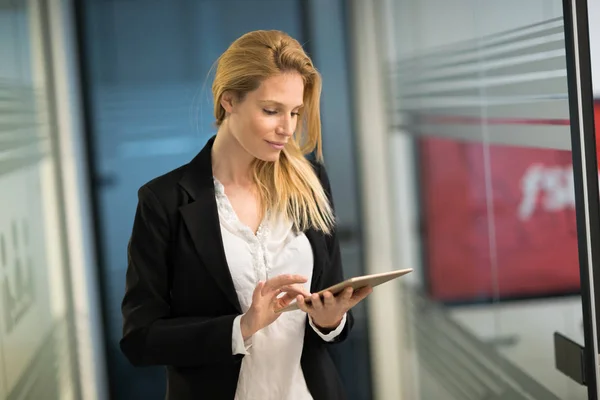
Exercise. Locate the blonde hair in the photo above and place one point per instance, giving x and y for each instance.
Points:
(288, 186)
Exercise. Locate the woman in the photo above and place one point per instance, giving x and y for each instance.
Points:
(221, 243)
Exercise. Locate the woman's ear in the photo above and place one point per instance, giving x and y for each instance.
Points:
(227, 102)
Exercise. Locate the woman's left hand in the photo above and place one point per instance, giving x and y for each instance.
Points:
(327, 313)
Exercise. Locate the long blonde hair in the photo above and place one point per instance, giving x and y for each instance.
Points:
(288, 186)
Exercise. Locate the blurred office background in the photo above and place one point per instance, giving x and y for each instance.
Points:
(447, 141)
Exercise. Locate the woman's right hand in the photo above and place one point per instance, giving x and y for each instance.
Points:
(265, 302)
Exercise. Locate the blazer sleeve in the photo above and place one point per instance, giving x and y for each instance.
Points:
(150, 335)
(335, 273)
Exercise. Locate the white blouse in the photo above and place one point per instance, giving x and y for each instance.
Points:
(271, 365)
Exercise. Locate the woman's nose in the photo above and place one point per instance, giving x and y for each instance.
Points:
(286, 128)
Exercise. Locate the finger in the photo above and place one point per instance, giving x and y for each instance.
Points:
(291, 291)
(302, 305)
(284, 300)
(296, 290)
(257, 291)
(289, 296)
(284, 280)
(347, 295)
(328, 300)
(363, 292)
(360, 295)
(317, 304)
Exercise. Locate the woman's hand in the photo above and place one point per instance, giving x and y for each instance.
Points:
(266, 301)
(327, 313)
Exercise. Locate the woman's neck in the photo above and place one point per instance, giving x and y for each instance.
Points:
(230, 161)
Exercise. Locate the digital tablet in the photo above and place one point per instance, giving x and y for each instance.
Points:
(356, 283)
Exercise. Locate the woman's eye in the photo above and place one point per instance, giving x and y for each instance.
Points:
(270, 112)
(295, 114)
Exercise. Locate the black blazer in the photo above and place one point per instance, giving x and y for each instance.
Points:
(180, 302)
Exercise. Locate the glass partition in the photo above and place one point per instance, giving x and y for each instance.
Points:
(488, 218)
(37, 335)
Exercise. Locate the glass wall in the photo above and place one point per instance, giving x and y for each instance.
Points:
(481, 111)
(38, 356)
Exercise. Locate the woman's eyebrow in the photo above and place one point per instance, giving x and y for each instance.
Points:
(279, 103)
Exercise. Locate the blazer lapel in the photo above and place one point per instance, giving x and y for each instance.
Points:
(319, 249)
(201, 218)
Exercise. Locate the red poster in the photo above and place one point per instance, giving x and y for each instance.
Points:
(514, 236)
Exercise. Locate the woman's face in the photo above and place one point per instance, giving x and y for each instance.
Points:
(265, 119)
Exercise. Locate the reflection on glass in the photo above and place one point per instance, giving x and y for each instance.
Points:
(37, 346)
(481, 92)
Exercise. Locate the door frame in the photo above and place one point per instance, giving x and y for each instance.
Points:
(585, 170)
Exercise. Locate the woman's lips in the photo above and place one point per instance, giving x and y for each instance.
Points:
(276, 145)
